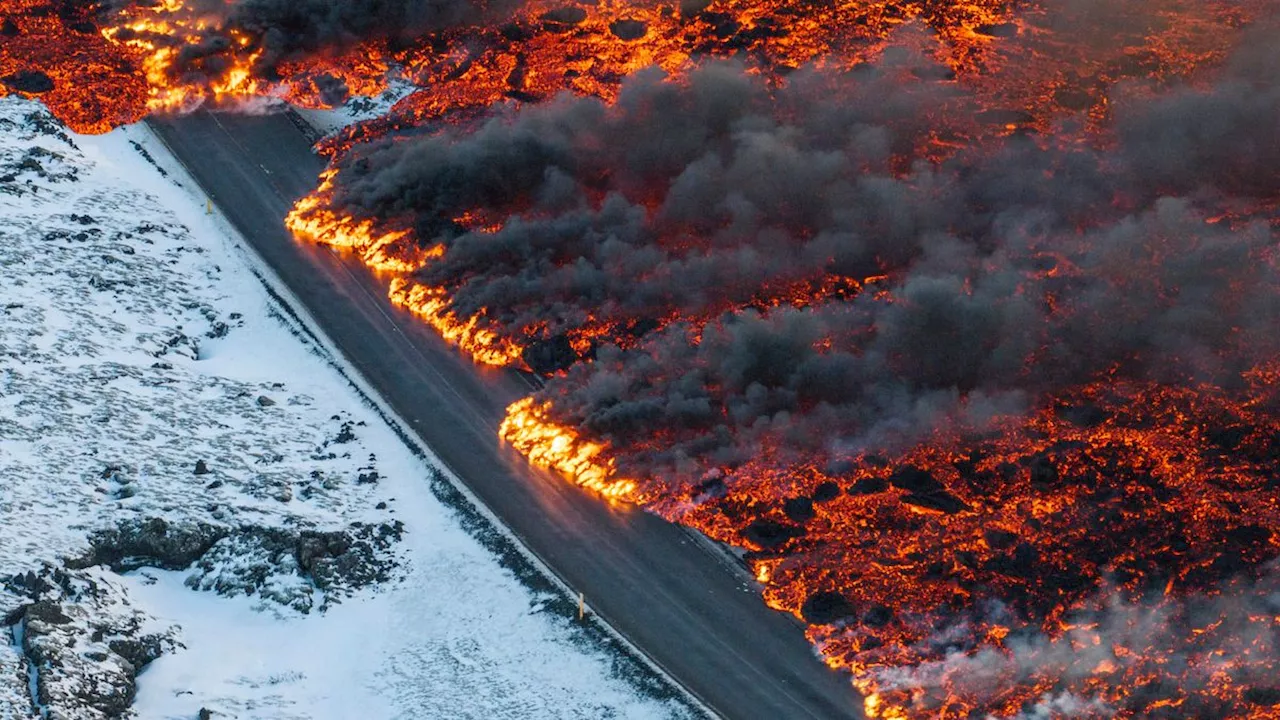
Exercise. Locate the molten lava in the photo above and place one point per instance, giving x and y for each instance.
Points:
(959, 318)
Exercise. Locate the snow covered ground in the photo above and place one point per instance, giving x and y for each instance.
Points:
(190, 488)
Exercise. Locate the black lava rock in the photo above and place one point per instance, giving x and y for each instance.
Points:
(824, 608)
(869, 486)
(32, 82)
(826, 492)
(798, 509)
(628, 29)
(770, 534)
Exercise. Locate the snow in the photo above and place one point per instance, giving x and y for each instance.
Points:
(136, 340)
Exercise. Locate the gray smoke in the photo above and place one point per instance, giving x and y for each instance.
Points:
(1014, 270)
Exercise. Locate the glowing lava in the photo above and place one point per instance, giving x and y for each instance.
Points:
(562, 449)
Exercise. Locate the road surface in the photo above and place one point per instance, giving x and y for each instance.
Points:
(673, 597)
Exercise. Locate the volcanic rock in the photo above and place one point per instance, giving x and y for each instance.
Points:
(999, 539)
(877, 616)
(202, 468)
(1263, 696)
(628, 29)
(32, 82)
(942, 501)
(826, 492)
(824, 608)
(1044, 475)
(915, 480)
(150, 542)
(561, 18)
(869, 486)
(1005, 116)
(771, 534)
(546, 357)
(799, 509)
(999, 30)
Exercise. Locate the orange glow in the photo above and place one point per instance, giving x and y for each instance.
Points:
(432, 305)
(562, 449)
(1146, 501)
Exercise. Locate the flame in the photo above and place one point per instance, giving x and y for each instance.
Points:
(1040, 494)
(390, 251)
(432, 304)
(560, 448)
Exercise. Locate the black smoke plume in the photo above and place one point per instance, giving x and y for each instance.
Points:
(778, 277)
(693, 208)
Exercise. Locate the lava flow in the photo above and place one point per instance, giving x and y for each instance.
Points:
(960, 319)
(987, 394)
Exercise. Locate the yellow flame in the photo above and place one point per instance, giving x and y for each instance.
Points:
(432, 304)
(557, 447)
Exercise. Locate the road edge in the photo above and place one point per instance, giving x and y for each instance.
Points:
(294, 315)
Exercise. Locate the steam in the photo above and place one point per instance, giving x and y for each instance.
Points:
(1202, 638)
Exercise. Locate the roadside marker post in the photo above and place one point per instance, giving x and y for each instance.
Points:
(582, 606)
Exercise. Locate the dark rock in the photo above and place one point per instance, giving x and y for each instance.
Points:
(264, 401)
(689, 8)
(516, 33)
(32, 82)
(999, 539)
(202, 468)
(826, 607)
(869, 486)
(1000, 30)
(1228, 438)
(1262, 696)
(771, 534)
(546, 357)
(826, 492)
(628, 29)
(204, 714)
(1021, 563)
(877, 616)
(942, 501)
(46, 612)
(567, 15)
(1006, 116)
(213, 485)
(345, 435)
(368, 478)
(148, 543)
(140, 652)
(799, 510)
(1044, 475)
(9, 28)
(380, 506)
(915, 480)
(350, 559)
(1069, 98)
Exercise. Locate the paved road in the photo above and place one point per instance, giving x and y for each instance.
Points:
(669, 595)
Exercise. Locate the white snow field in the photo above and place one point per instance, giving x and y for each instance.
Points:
(192, 493)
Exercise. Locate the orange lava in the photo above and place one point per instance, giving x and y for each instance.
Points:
(432, 305)
(561, 448)
(1104, 555)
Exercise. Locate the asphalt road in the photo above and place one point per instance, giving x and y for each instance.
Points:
(671, 596)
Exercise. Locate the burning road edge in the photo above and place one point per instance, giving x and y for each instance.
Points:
(961, 320)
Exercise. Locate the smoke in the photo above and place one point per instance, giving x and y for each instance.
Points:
(737, 284)
(290, 30)
(692, 209)
(1151, 658)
